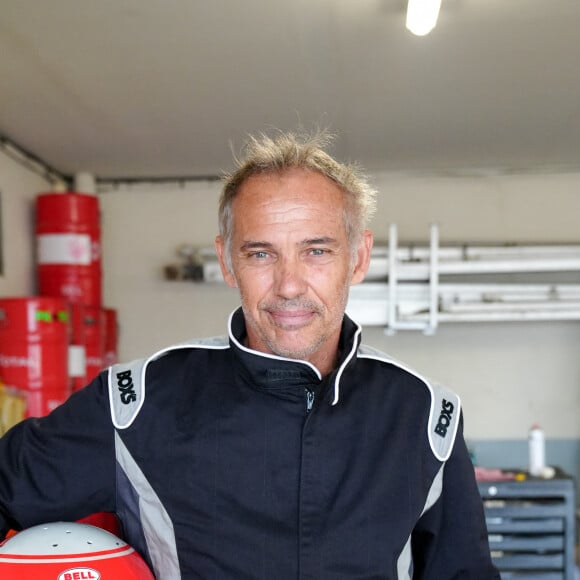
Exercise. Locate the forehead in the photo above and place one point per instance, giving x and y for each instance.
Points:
(293, 193)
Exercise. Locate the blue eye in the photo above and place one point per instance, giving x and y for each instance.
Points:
(317, 252)
(260, 255)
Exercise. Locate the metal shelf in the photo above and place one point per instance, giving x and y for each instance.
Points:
(417, 288)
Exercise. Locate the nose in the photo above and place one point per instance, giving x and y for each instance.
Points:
(290, 279)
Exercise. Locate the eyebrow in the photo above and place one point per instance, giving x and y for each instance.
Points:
(249, 245)
(318, 241)
(255, 245)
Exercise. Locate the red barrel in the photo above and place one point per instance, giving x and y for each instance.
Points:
(94, 325)
(68, 238)
(41, 403)
(88, 344)
(111, 355)
(77, 349)
(34, 336)
(34, 343)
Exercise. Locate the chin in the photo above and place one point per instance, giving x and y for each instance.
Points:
(294, 351)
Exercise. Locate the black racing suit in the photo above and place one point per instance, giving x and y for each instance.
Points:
(226, 463)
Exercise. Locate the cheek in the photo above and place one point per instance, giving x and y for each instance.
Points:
(330, 288)
(252, 283)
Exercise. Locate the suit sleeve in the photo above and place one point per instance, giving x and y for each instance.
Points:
(60, 467)
(450, 540)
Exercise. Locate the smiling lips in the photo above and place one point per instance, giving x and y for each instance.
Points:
(291, 319)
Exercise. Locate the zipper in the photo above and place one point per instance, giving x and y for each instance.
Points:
(309, 400)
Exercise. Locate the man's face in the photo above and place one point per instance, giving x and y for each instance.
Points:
(292, 263)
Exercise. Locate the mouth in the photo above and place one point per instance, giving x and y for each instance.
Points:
(291, 319)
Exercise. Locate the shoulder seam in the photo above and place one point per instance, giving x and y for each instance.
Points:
(451, 406)
(138, 391)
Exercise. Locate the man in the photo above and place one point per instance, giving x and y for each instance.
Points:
(285, 451)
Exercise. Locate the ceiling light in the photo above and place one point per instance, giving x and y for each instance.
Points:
(422, 16)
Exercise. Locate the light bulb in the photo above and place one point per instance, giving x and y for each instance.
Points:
(422, 16)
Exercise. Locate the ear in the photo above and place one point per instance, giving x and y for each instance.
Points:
(226, 272)
(363, 257)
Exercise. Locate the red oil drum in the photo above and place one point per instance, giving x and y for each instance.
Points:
(88, 327)
(77, 349)
(68, 238)
(94, 328)
(41, 403)
(111, 355)
(34, 336)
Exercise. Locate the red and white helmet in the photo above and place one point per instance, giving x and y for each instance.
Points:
(69, 551)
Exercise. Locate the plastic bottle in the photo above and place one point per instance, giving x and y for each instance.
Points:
(537, 451)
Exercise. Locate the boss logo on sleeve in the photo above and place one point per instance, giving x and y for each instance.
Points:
(447, 408)
(126, 387)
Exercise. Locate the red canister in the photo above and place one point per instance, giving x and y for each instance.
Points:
(68, 238)
(34, 337)
(111, 355)
(87, 344)
(34, 343)
(94, 327)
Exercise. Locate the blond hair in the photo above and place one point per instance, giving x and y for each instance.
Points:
(264, 154)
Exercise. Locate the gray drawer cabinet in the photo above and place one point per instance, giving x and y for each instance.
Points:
(530, 527)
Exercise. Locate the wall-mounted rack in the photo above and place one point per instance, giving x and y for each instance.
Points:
(419, 287)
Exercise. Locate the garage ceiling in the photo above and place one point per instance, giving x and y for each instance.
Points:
(165, 88)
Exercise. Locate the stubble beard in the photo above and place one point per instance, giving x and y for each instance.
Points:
(303, 352)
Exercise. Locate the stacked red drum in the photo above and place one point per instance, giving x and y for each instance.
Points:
(111, 353)
(34, 336)
(59, 340)
(88, 338)
(68, 238)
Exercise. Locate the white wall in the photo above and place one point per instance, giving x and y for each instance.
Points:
(142, 231)
(18, 190)
(490, 207)
(508, 375)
